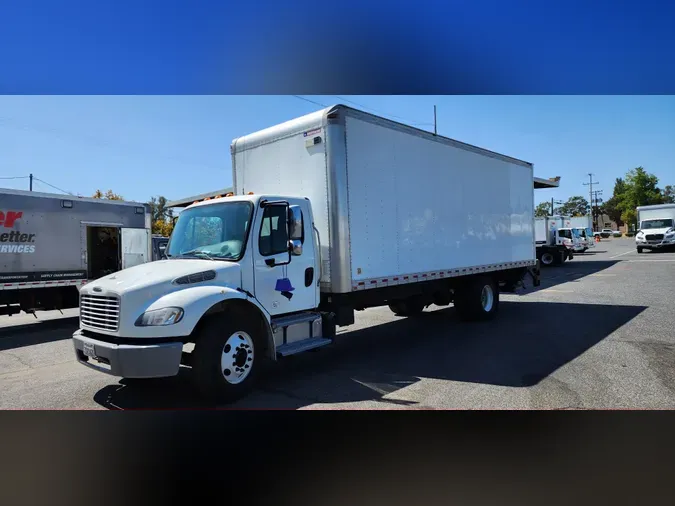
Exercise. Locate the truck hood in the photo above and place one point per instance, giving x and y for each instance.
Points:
(656, 230)
(161, 273)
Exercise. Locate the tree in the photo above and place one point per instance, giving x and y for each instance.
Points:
(640, 190)
(611, 206)
(543, 210)
(159, 210)
(668, 195)
(575, 206)
(162, 227)
(109, 195)
(162, 223)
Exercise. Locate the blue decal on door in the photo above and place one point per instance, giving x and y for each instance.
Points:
(285, 287)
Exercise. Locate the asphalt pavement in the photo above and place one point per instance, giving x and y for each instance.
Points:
(598, 333)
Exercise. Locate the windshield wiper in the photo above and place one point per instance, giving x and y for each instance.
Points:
(197, 252)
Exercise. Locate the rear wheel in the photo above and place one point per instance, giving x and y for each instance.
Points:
(547, 259)
(477, 300)
(227, 355)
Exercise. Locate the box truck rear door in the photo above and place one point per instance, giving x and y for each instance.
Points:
(135, 246)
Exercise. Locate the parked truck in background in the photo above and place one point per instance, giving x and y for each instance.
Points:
(584, 227)
(333, 212)
(567, 231)
(656, 227)
(51, 245)
(553, 248)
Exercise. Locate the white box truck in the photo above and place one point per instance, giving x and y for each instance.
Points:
(584, 227)
(51, 245)
(656, 227)
(567, 230)
(333, 212)
(553, 244)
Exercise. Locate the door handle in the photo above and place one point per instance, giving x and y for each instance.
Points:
(309, 276)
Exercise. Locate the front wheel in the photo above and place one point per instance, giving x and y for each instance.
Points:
(477, 300)
(226, 358)
(639, 249)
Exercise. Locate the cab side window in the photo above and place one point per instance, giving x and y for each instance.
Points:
(273, 232)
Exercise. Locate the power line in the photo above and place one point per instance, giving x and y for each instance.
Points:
(52, 186)
(381, 112)
(15, 177)
(310, 101)
(364, 107)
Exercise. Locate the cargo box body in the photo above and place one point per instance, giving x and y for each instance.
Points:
(49, 241)
(393, 204)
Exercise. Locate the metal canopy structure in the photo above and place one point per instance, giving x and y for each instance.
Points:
(552, 182)
(188, 201)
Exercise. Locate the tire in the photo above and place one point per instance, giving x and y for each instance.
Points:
(547, 259)
(408, 307)
(227, 357)
(477, 300)
(639, 249)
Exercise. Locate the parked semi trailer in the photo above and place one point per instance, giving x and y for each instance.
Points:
(51, 245)
(332, 213)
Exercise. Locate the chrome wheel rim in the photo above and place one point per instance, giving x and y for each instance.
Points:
(237, 357)
(487, 298)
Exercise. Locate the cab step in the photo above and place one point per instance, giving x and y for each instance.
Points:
(305, 345)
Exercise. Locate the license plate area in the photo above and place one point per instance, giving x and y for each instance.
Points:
(89, 350)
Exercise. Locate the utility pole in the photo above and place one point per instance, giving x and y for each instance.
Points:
(31, 182)
(435, 130)
(590, 184)
(553, 202)
(594, 207)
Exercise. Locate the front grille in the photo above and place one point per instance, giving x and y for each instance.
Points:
(654, 237)
(99, 312)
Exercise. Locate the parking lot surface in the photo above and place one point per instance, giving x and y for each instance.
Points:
(598, 333)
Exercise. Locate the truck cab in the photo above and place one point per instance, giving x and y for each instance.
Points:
(586, 238)
(250, 256)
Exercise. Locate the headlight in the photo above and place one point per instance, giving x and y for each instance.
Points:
(159, 317)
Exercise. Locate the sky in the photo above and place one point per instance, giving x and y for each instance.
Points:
(178, 146)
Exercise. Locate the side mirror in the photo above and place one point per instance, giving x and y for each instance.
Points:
(296, 231)
(295, 247)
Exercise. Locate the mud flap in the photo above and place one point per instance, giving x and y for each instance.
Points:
(534, 272)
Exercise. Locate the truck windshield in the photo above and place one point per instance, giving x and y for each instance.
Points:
(647, 224)
(215, 231)
(589, 232)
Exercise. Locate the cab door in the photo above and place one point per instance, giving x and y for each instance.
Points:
(286, 280)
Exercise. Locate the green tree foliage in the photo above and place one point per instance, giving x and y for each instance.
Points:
(637, 188)
(543, 210)
(611, 206)
(162, 216)
(668, 194)
(109, 195)
(575, 206)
